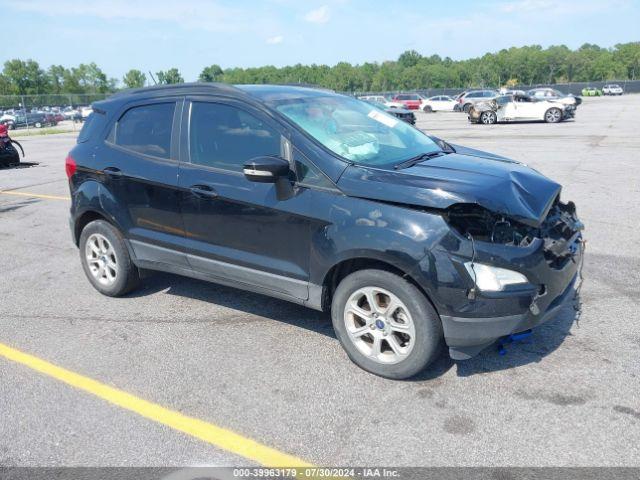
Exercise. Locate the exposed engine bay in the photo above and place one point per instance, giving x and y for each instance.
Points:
(559, 231)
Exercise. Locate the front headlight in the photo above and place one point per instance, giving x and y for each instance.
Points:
(493, 279)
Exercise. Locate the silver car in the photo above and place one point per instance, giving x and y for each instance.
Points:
(474, 96)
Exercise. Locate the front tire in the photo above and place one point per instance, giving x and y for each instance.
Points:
(428, 109)
(106, 261)
(385, 324)
(553, 115)
(466, 107)
(488, 118)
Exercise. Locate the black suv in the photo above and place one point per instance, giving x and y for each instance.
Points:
(323, 200)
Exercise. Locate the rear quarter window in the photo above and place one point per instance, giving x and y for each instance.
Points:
(145, 129)
(92, 124)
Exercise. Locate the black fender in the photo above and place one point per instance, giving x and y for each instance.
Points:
(396, 235)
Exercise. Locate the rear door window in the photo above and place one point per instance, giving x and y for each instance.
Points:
(145, 129)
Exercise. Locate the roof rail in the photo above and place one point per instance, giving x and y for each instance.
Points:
(177, 87)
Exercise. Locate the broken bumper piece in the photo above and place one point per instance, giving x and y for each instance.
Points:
(466, 337)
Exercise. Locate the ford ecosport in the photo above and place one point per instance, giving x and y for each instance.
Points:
(326, 201)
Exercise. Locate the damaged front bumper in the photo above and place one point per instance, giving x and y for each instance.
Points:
(468, 336)
(474, 319)
(569, 112)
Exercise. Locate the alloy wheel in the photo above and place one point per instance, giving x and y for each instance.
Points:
(101, 259)
(553, 115)
(487, 118)
(379, 324)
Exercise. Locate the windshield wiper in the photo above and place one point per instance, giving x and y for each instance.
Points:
(418, 158)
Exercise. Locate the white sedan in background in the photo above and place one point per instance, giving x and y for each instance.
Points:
(517, 108)
(438, 103)
(612, 89)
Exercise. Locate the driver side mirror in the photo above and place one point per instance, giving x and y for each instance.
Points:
(266, 169)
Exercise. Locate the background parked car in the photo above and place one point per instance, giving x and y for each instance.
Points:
(410, 101)
(519, 107)
(401, 113)
(381, 99)
(591, 92)
(612, 89)
(438, 103)
(373, 98)
(474, 96)
(547, 93)
(69, 113)
(7, 117)
(22, 120)
(50, 119)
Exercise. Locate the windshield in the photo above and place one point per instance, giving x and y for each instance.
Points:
(357, 131)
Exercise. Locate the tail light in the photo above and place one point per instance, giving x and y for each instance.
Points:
(70, 166)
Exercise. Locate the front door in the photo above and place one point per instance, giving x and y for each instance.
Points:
(236, 229)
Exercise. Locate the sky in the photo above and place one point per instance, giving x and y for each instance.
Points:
(190, 34)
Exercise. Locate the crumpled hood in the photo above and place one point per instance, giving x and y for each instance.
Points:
(468, 176)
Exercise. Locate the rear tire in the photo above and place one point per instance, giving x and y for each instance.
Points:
(466, 107)
(428, 109)
(396, 338)
(106, 261)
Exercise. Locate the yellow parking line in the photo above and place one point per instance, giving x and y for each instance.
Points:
(34, 195)
(208, 432)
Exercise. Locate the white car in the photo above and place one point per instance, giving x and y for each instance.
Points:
(69, 113)
(7, 117)
(86, 111)
(438, 103)
(516, 108)
(612, 89)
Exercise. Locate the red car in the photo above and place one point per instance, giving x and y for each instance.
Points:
(411, 101)
(50, 119)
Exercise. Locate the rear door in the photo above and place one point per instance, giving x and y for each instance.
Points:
(139, 164)
(236, 229)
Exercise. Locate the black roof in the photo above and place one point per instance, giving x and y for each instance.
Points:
(262, 93)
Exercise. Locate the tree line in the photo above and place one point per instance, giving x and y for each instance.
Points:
(527, 65)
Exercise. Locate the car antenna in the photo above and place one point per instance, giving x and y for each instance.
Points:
(153, 78)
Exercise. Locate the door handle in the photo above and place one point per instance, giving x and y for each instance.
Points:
(203, 191)
(112, 171)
